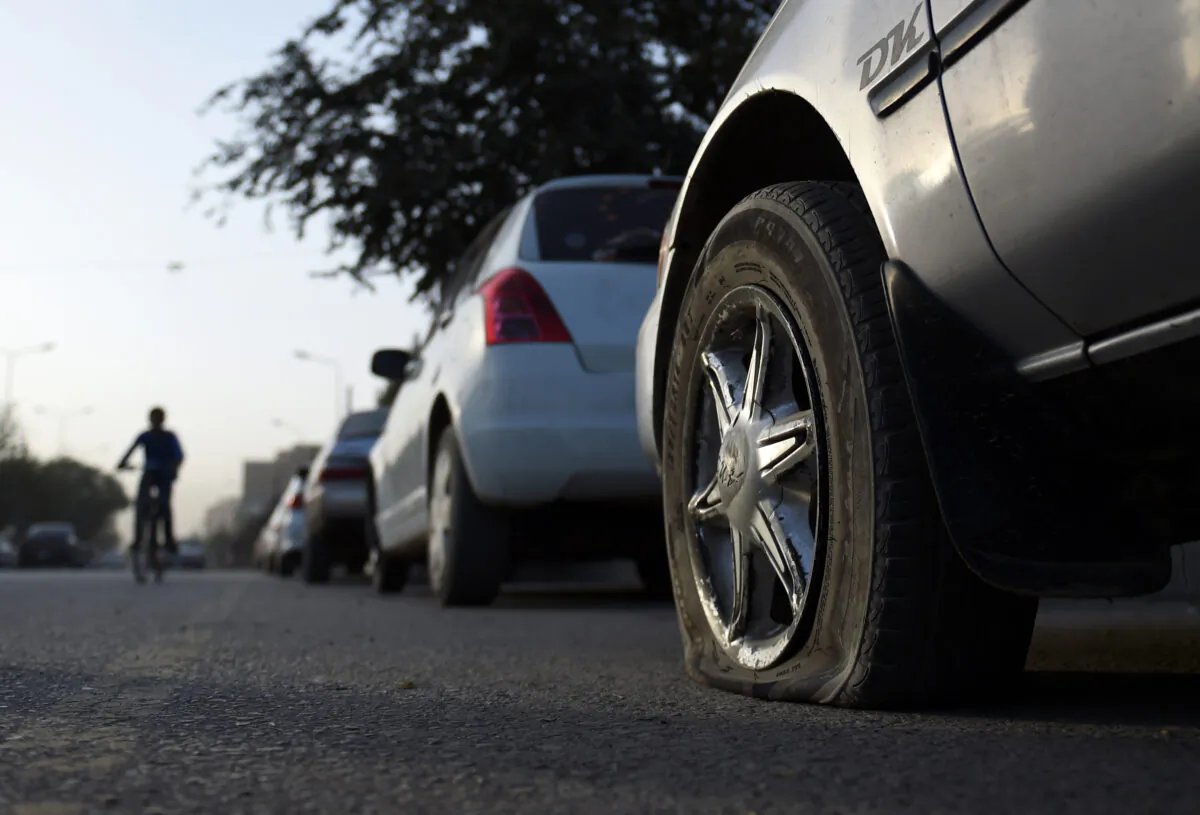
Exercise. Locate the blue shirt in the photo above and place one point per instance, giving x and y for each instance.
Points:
(160, 450)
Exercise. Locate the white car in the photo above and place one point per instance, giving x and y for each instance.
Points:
(281, 542)
(514, 436)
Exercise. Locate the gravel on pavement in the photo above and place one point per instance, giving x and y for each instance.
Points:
(231, 692)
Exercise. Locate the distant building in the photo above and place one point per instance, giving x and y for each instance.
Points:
(221, 516)
(262, 484)
(258, 486)
(263, 481)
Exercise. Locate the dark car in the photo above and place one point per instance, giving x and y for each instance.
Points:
(335, 498)
(50, 544)
(191, 556)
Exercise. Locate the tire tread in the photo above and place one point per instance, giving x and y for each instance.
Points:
(924, 635)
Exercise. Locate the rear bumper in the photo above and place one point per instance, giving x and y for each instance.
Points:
(535, 427)
(337, 501)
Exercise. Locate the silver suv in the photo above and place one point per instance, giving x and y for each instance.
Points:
(923, 346)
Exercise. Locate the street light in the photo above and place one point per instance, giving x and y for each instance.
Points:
(11, 355)
(337, 377)
(63, 417)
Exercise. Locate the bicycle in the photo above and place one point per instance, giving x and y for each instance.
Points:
(147, 536)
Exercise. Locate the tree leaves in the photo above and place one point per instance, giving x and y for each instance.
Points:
(440, 113)
(60, 490)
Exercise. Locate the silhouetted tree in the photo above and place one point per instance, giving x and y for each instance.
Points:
(12, 442)
(443, 112)
(58, 490)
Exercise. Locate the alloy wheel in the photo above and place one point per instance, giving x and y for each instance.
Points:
(756, 480)
(441, 504)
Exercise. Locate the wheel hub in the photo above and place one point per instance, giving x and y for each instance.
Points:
(738, 484)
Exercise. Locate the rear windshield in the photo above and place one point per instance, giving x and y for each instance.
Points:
(360, 425)
(56, 535)
(49, 527)
(603, 224)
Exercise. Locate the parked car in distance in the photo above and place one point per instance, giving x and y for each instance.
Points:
(924, 347)
(280, 545)
(335, 499)
(51, 544)
(110, 559)
(191, 555)
(514, 436)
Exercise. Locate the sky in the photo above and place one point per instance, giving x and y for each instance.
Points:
(98, 143)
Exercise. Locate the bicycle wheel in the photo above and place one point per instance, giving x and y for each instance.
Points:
(153, 556)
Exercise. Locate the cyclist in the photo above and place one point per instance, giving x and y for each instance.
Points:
(162, 455)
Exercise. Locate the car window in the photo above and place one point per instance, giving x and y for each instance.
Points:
(360, 425)
(40, 528)
(50, 535)
(609, 225)
(602, 224)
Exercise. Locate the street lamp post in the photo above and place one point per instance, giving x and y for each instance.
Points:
(63, 417)
(337, 378)
(11, 355)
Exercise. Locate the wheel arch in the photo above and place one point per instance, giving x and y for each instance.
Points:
(440, 417)
(772, 137)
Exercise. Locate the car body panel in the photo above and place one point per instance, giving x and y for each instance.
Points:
(1062, 139)
(602, 305)
(535, 425)
(535, 429)
(905, 162)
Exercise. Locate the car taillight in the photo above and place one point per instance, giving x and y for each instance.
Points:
(342, 474)
(517, 309)
(297, 502)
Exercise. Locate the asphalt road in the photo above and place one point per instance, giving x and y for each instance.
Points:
(236, 692)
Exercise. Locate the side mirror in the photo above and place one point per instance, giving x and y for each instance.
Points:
(390, 363)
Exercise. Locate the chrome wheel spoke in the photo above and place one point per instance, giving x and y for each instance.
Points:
(801, 486)
(740, 601)
(706, 503)
(785, 443)
(722, 391)
(769, 534)
(756, 369)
